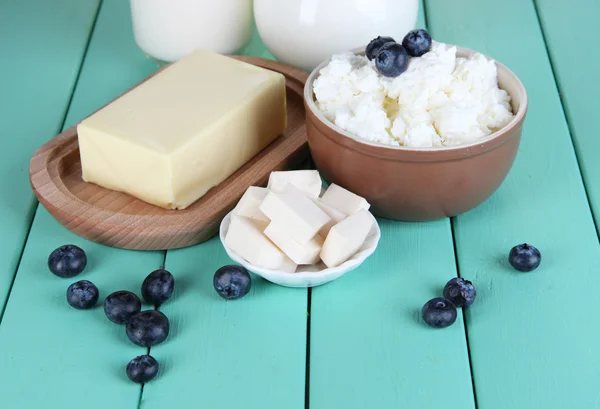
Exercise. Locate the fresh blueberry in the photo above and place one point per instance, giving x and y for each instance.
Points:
(460, 292)
(232, 282)
(524, 257)
(67, 261)
(142, 369)
(439, 313)
(417, 42)
(158, 287)
(82, 295)
(120, 306)
(148, 328)
(375, 44)
(391, 60)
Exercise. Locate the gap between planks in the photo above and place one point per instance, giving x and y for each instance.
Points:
(34, 204)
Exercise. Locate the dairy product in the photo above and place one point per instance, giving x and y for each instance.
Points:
(249, 204)
(345, 238)
(245, 237)
(307, 181)
(187, 129)
(335, 215)
(344, 200)
(440, 100)
(300, 253)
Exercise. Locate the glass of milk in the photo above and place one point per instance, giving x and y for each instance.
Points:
(167, 30)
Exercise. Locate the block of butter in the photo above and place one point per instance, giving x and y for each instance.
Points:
(249, 204)
(308, 181)
(300, 253)
(182, 132)
(345, 238)
(344, 200)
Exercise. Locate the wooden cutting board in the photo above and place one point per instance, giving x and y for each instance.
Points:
(119, 220)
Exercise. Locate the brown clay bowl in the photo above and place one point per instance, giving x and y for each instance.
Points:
(417, 184)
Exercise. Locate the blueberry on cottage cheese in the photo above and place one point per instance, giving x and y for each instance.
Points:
(524, 257)
(82, 295)
(373, 47)
(148, 328)
(158, 287)
(142, 369)
(439, 313)
(460, 292)
(67, 261)
(120, 306)
(232, 282)
(417, 42)
(391, 60)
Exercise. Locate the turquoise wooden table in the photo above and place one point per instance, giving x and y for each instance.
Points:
(529, 341)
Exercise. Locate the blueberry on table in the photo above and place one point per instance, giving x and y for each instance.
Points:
(67, 261)
(524, 257)
(417, 42)
(148, 328)
(142, 369)
(120, 306)
(158, 287)
(82, 295)
(460, 292)
(439, 313)
(391, 60)
(373, 47)
(232, 282)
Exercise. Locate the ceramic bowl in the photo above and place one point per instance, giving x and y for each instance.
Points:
(417, 184)
(306, 276)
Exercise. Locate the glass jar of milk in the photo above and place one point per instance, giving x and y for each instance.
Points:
(304, 33)
(170, 29)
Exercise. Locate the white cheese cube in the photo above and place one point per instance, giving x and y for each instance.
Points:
(308, 181)
(345, 238)
(300, 253)
(249, 204)
(296, 213)
(344, 200)
(245, 237)
(335, 215)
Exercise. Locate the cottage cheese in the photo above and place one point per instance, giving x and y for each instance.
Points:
(440, 100)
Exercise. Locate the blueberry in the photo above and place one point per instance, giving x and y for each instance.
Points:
(148, 328)
(120, 306)
(391, 60)
(375, 44)
(439, 313)
(417, 42)
(142, 369)
(524, 257)
(82, 295)
(67, 261)
(460, 292)
(232, 282)
(158, 287)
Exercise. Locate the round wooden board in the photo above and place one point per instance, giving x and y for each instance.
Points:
(119, 220)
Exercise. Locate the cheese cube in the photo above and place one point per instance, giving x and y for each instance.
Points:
(295, 213)
(335, 215)
(307, 181)
(346, 238)
(249, 204)
(183, 131)
(300, 253)
(344, 200)
(245, 237)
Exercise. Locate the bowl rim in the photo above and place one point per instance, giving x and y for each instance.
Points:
(380, 149)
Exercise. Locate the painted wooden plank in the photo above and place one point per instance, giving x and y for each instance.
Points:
(52, 355)
(531, 342)
(570, 30)
(40, 58)
(368, 347)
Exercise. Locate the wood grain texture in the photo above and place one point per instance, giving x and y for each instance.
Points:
(571, 32)
(120, 220)
(368, 346)
(35, 88)
(531, 340)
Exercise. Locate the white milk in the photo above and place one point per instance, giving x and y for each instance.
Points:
(169, 29)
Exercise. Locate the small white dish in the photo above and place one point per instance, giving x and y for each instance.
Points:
(309, 275)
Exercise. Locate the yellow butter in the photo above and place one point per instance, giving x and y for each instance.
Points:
(184, 131)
